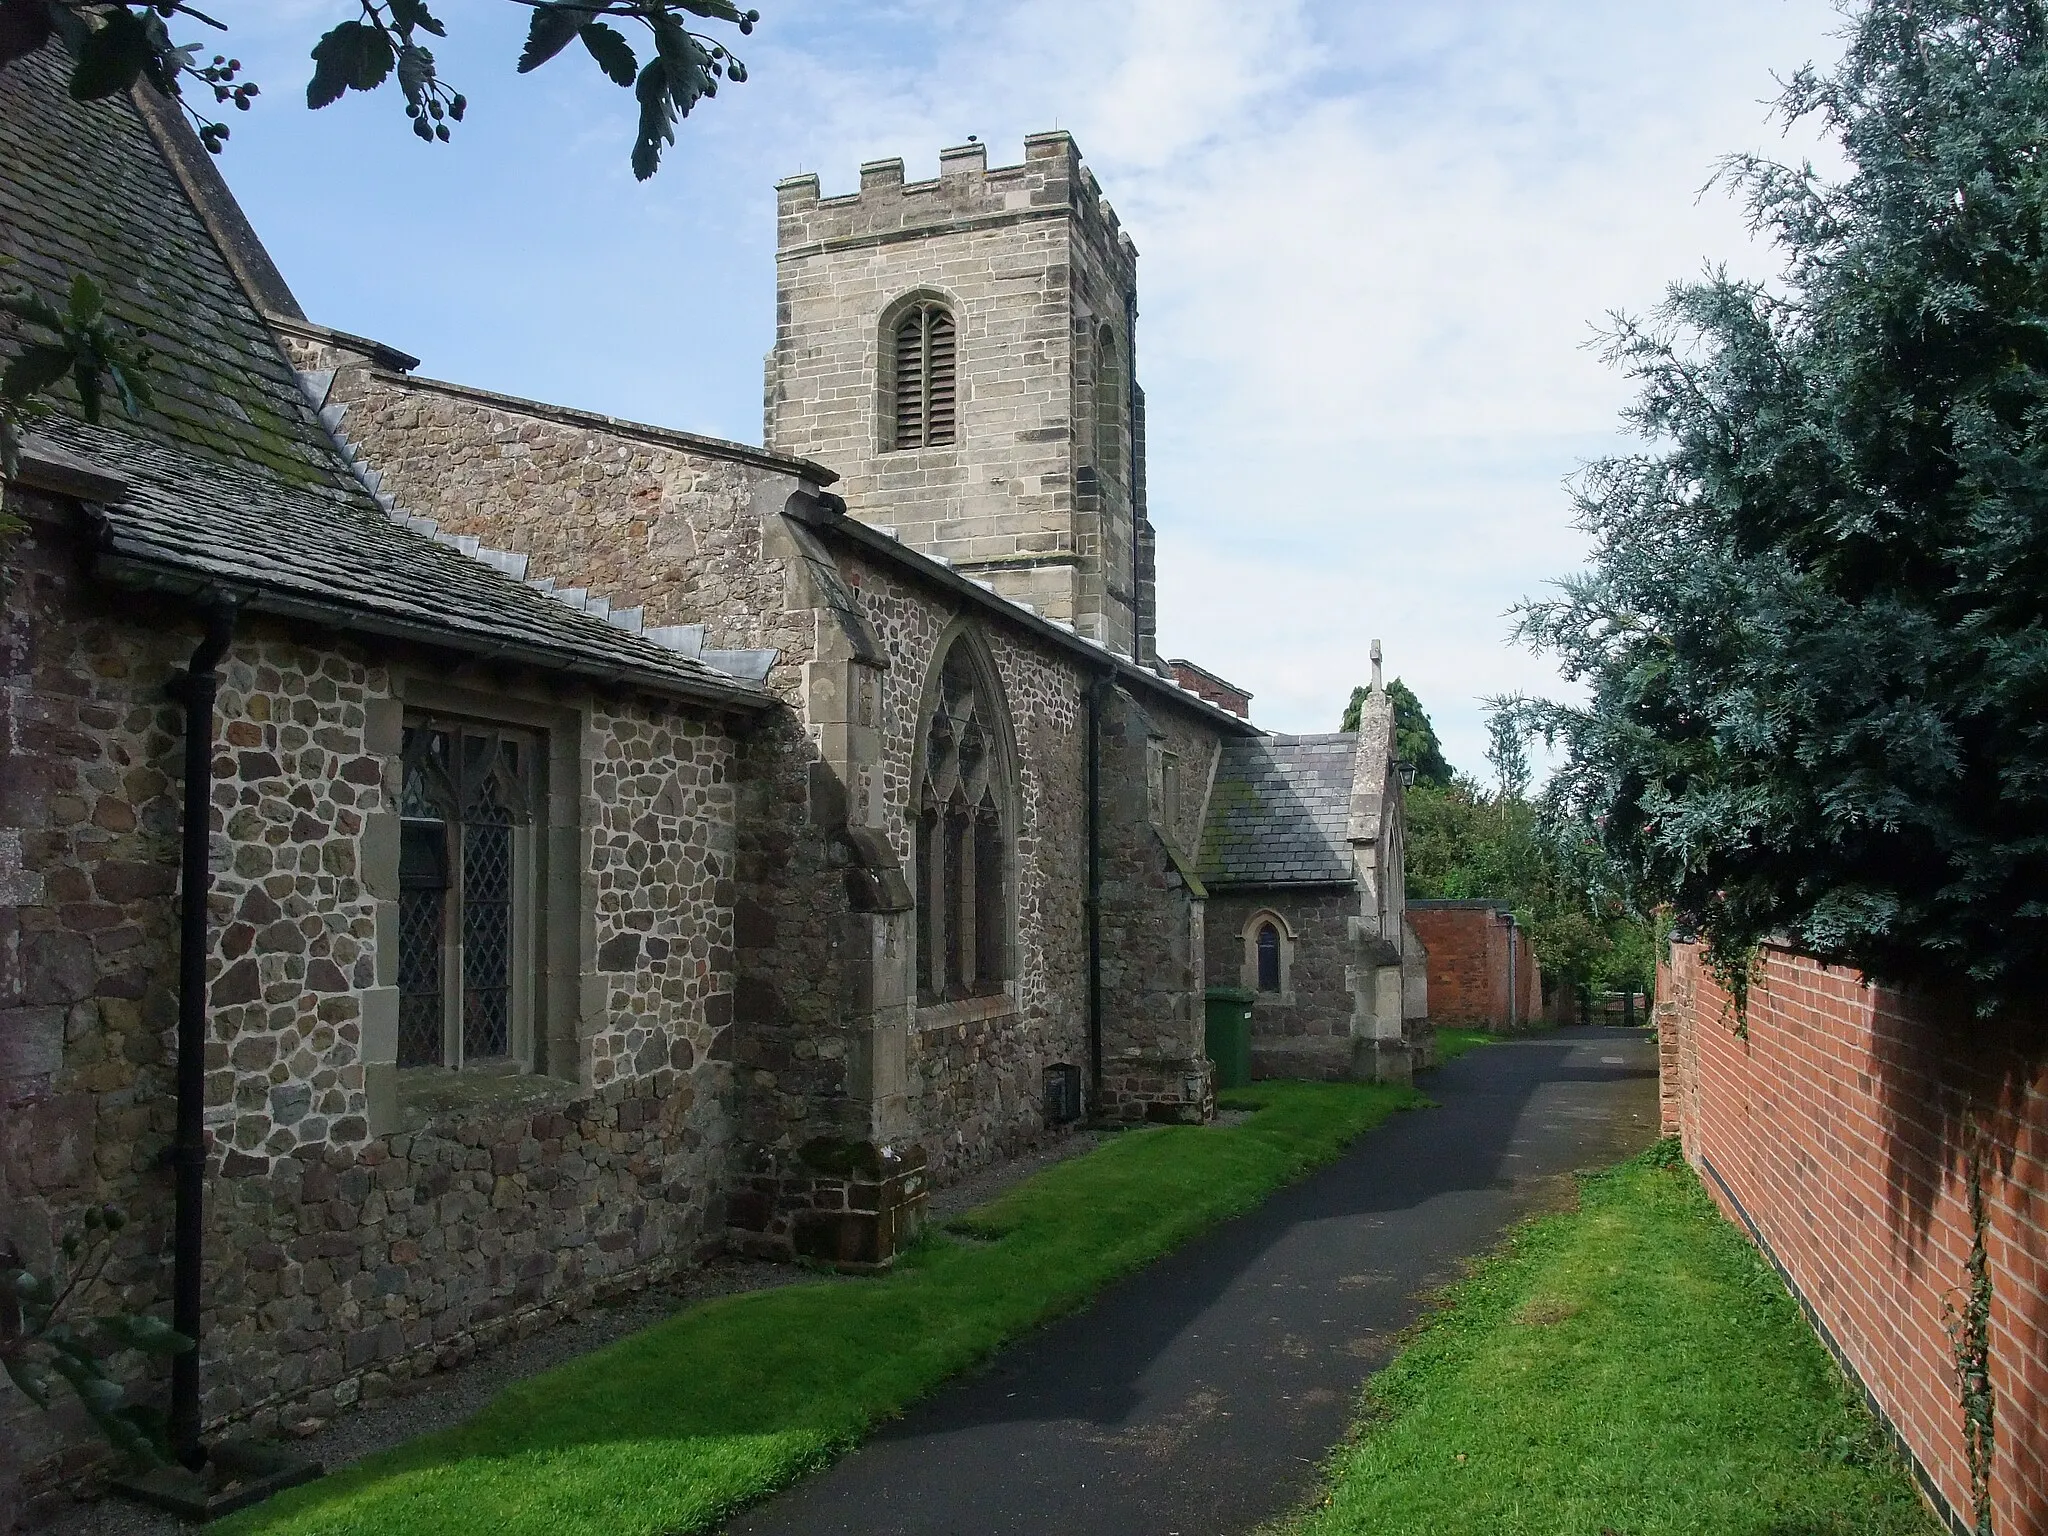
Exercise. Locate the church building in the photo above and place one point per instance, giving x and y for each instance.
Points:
(614, 844)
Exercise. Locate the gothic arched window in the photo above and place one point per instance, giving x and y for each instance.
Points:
(924, 397)
(1269, 957)
(963, 844)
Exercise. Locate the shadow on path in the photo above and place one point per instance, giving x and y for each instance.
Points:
(1197, 1396)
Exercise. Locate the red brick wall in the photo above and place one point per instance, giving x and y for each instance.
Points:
(1841, 1126)
(1468, 967)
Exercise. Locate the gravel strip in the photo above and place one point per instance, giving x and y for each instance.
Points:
(434, 1402)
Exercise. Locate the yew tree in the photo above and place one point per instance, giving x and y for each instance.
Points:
(1813, 630)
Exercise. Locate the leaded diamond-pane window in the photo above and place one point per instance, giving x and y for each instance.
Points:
(963, 911)
(464, 881)
(487, 932)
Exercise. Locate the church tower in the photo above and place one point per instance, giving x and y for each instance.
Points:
(960, 351)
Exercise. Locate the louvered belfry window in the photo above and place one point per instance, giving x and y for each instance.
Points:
(926, 400)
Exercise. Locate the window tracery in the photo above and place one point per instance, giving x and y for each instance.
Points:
(963, 914)
(467, 797)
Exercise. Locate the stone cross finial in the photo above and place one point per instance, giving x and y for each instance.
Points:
(1376, 685)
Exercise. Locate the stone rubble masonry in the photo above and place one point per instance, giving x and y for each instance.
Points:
(341, 1258)
(1837, 1129)
(1154, 1062)
(1042, 494)
(1354, 1001)
(828, 1047)
(1468, 966)
(1303, 1030)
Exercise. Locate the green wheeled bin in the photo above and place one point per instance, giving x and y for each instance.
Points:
(1228, 1036)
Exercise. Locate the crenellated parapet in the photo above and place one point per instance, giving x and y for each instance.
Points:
(1052, 181)
(961, 350)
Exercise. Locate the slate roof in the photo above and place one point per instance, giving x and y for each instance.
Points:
(1278, 812)
(234, 482)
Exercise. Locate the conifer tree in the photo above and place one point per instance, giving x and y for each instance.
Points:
(1814, 627)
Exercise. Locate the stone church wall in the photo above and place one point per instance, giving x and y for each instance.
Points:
(339, 1261)
(1154, 1063)
(1304, 1030)
(693, 531)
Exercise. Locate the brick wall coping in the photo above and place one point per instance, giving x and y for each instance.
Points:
(664, 437)
(827, 515)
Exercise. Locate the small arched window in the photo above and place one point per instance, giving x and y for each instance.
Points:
(1269, 957)
(925, 398)
(963, 914)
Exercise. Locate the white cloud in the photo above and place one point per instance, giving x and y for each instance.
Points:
(1375, 239)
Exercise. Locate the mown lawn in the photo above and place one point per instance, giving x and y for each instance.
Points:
(1453, 1043)
(673, 1428)
(1631, 1368)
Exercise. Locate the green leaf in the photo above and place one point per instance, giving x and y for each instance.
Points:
(151, 1335)
(408, 14)
(351, 57)
(657, 120)
(88, 300)
(34, 1381)
(132, 386)
(29, 1289)
(32, 307)
(25, 26)
(85, 378)
(553, 28)
(613, 53)
(415, 71)
(34, 370)
(112, 56)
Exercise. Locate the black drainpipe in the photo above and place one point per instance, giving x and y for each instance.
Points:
(1093, 900)
(195, 690)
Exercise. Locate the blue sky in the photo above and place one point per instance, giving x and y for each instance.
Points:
(1374, 241)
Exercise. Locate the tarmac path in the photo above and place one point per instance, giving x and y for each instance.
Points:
(1197, 1397)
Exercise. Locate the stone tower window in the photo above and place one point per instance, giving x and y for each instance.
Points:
(924, 399)
(1109, 407)
(465, 896)
(963, 844)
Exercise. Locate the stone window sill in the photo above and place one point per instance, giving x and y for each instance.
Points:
(430, 1094)
(968, 1010)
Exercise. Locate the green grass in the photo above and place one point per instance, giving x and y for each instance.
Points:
(673, 1428)
(1631, 1367)
(1453, 1043)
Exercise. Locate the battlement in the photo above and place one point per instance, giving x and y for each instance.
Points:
(1050, 181)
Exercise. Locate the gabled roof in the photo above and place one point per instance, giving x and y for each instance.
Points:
(826, 515)
(311, 552)
(1279, 812)
(233, 484)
